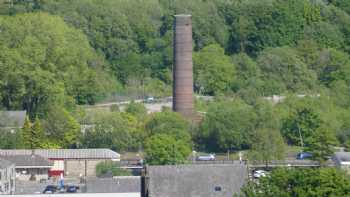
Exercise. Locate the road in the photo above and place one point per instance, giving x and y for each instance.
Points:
(155, 106)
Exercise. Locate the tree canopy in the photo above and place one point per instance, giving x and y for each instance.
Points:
(300, 182)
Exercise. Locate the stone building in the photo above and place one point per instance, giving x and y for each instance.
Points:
(70, 162)
(30, 167)
(7, 177)
(210, 180)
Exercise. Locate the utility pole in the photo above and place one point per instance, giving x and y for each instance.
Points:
(301, 138)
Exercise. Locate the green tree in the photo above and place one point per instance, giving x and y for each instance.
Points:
(110, 168)
(333, 65)
(283, 70)
(267, 146)
(61, 128)
(33, 135)
(322, 144)
(299, 126)
(162, 149)
(136, 109)
(114, 108)
(169, 123)
(27, 133)
(227, 125)
(248, 74)
(41, 60)
(114, 130)
(11, 139)
(300, 182)
(214, 72)
(38, 134)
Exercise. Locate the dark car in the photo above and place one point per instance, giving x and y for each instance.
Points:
(304, 155)
(50, 189)
(72, 189)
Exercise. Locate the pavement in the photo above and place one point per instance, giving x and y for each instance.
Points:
(84, 195)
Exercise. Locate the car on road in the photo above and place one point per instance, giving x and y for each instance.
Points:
(50, 189)
(259, 173)
(304, 155)
(149, 99)
(210, 157)
(72, 189)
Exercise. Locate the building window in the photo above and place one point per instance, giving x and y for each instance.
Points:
(218, 189)
(6, 187)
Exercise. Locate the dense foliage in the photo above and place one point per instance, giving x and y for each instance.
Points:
(301, 182)
(59, 54)
(291, 46)
(110, 168)
(162, 149)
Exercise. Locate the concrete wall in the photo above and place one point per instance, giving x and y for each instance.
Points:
(7, 180)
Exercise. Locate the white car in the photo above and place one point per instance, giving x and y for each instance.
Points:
(210, 157)
(149, 99)
(259, 173)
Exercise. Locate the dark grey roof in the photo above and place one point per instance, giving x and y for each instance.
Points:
(342, 156)
(12, 118)
(28, 161)
(196, 180)
(114, 185)
(4, 163)
(66, 153)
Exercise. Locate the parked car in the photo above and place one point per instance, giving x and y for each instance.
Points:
(259, 173)
(72, 189)
(210, 157)
(304, 155)
(50, 189)
(149, 99)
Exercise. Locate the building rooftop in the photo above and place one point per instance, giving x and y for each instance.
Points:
(65, 153)
(219, 180)
(4, 163)
(130, 184)
(28, 161)
(12, 118)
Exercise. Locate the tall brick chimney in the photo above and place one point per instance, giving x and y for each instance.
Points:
(183, 66)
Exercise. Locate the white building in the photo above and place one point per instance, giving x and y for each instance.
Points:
(7, 177)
